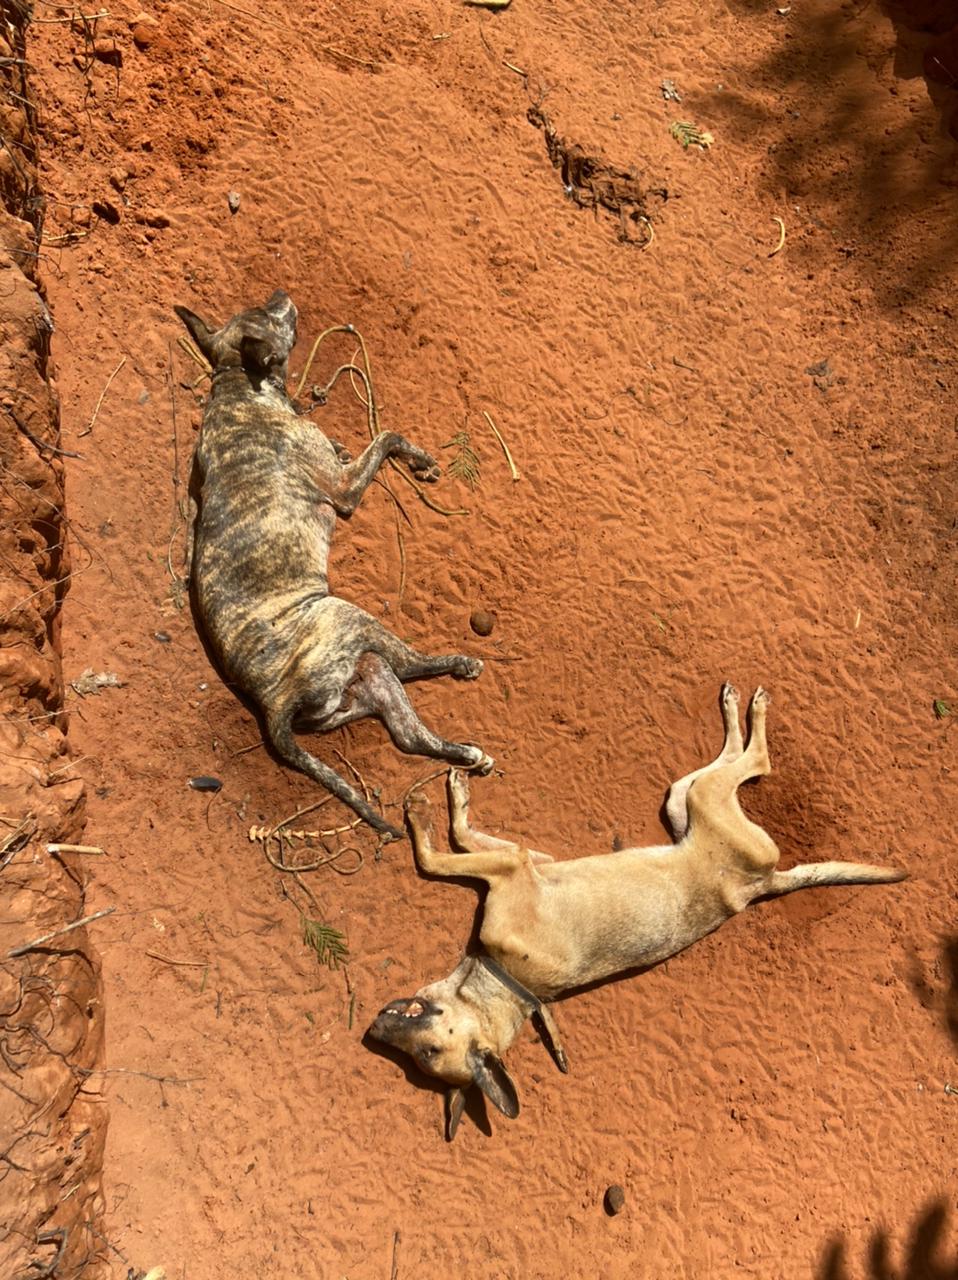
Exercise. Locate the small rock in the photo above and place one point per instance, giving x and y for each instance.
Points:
(233, 200)
(154, 218)
(163, 636)
(669, 92)
(205, 783)
(821, 374)
(144, 31)
(106, 210)
(482, 622)
(614, 1200)
(118, 179)
(82, 217)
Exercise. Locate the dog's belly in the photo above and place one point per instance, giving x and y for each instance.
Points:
(260, 551)
(256, 557)
(265, 519)
(595, 917)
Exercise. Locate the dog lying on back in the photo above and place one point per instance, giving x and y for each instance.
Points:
(551, 926)
(268, 486)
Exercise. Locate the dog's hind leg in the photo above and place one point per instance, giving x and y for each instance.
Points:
(280, 732)
(409, 664)
(676, 807)
(713, 804)
(377, 691)
(717, 819)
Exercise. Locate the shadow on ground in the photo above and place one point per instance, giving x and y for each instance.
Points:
(925, 1256)
(844, 139)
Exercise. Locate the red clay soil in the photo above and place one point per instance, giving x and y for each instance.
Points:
(734, 464)
(51, 1024)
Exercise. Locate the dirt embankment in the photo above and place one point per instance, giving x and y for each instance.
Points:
(51, 1021)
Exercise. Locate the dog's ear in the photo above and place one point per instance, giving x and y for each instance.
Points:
(281, 307)
(455, 1101)
(282, 311)
(490, 1074)
(200, 332)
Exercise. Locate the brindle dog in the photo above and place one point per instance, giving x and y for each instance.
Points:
(268, 486)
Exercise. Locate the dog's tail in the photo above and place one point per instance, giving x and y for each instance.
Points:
(813, 874)
(281, 736)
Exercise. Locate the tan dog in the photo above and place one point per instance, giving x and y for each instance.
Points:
(551, 926)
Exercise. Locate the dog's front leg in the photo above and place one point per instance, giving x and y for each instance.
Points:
(356, 477)
(468, 840)
(484, 866)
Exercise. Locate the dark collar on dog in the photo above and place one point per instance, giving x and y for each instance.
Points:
(542, 1019)
(514, 985)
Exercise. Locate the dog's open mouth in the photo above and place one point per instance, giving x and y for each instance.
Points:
(414, 1008)
(402, 1018)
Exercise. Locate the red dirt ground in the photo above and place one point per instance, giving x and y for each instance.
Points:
(700, 498)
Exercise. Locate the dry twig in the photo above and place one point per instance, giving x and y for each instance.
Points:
(102, 394)
(505, 447)
(58, 933)
(255, 17)
(179, 964)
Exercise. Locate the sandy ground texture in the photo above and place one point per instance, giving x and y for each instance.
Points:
(734, 463)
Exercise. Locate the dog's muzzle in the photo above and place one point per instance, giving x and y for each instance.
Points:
(402, 1018)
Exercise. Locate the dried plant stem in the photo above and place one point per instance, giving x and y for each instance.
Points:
(338, 53)
(73, 17)
(336, 328)
(58, 933)
(179, 964)
(505, 447)
(198, 359)
(102, 394)
(424, 497)
(255, 17)
(781, 236)
(74, 848)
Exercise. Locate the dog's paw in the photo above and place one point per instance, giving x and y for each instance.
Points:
(483, 765)
(467, 668)
(458, 785)
(760, 700)
(423, 465)
(417, 807)
(729, 696)
(427, 472)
